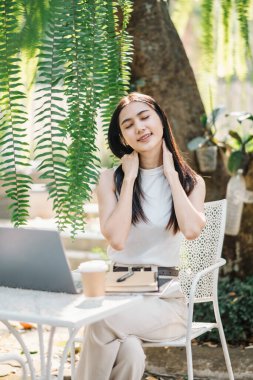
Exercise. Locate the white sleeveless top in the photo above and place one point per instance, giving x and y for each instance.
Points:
(151, 243)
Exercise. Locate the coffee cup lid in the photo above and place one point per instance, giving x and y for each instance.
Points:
(93, 266)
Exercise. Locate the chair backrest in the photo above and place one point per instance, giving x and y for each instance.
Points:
(198, 254)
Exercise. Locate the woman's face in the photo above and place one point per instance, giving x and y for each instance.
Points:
(141, 127)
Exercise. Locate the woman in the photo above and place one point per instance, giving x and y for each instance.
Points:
(146, 206)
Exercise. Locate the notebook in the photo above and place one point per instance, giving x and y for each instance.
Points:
(140, 282)
(34, 259)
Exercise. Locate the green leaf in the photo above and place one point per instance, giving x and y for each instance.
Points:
(215, 114)
(196, 143)
(248, 139)
(235, 161)
(236, 136)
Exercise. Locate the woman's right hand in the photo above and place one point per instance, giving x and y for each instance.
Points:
(130, 165)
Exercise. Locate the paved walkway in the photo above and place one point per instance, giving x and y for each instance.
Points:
(208, 362)
(162, 363)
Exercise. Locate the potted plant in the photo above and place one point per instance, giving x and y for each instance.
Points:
(239, 144)
(206, 145)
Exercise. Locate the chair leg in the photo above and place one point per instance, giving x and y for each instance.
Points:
(17, 358)
(223, 342)
(72, 360)
(225, 352)
(189, 360)
(72, 357)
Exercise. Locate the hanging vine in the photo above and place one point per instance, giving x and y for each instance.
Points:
(232, 12)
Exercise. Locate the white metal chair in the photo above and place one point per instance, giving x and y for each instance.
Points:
(17, 358)
(198, 274)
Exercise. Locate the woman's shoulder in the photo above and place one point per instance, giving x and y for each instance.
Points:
(200, 185)
(200, 180)
(107, 172)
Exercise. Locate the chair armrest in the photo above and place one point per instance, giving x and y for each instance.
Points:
(202, 273)
(196, 279)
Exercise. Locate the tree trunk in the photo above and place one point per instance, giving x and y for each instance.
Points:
(161, 69)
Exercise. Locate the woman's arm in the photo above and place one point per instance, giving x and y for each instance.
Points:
(116, 216)
(189, 209)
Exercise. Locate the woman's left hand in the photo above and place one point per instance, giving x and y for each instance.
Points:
(168, 163)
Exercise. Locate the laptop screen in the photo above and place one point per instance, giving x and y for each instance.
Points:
(34, 259)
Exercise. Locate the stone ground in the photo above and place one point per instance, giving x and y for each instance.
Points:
(162, 363)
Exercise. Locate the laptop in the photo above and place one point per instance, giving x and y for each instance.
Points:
(34, 259)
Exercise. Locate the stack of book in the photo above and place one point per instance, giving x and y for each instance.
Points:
(138, 281)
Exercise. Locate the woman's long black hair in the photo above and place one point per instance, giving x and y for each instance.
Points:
(187, 176)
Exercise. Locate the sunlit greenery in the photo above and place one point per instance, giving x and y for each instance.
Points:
(221, 31)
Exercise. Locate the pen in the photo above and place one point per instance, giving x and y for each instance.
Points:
(125, 276)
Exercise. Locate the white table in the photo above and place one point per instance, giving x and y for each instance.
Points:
(56, 310)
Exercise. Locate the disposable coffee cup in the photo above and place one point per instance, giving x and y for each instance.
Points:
(93, 277)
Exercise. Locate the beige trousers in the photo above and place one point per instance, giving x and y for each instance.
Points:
(112, 348)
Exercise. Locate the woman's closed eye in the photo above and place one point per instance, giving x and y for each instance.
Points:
(142, 118)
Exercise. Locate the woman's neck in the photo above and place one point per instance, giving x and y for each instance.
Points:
(150, 162)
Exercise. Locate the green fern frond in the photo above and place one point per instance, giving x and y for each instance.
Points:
(126, 44)
(51, 148)
(226, 17)
(239, 54)
(243, 8)
(33, 19)
(14, 148)
(82, 82)
(207, 26)
(118, 51)
(113, 89)
(96, 77)
(224, 44)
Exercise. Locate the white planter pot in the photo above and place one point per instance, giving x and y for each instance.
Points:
(207, 158)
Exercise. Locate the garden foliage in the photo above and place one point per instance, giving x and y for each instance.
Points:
(236, 309)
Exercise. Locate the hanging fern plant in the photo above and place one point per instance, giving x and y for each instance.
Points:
(243, 8)
(207, 23)
(83, 83)
(118, 48)
(14, 148)
(226, 6)
(225, 45)
(83, 68)
(51, 148)
(119, 44)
